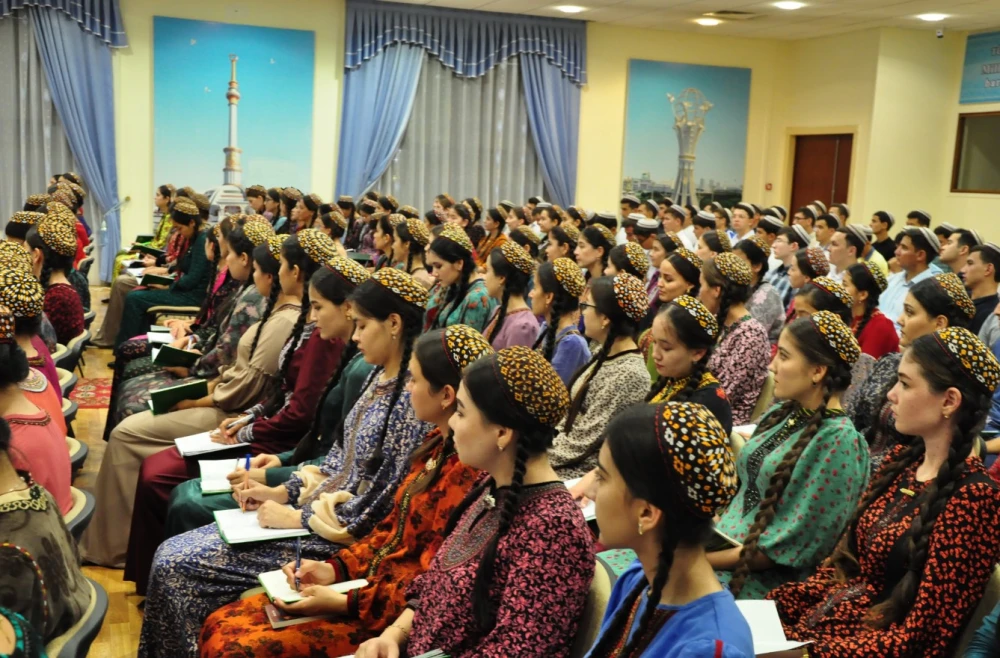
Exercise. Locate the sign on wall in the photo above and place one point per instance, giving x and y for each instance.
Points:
(981, 73)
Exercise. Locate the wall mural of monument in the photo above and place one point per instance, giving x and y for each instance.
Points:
(233, 106)
(686, 131)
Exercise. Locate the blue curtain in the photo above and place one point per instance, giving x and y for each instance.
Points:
(553, 101)
(378, 98)
(78, 68)
(102, 18)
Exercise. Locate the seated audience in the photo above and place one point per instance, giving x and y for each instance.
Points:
(508, 272)
(875, 332)
(459, 297)
(765, 304)
(51, 242)
(556, 297)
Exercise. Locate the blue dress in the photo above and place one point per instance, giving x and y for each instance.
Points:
(571, 353)
(196, 573)
(711, 626)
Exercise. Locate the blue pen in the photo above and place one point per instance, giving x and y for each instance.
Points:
(246, 482)
(298, 561)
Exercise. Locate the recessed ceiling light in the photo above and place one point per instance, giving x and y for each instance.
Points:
(932, 18)
(707, 22)
(569, 9)
(790, 6)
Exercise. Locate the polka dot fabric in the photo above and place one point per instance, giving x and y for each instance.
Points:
(418, 231)
(14, 256)
(456, 235)
(274, 244)
(531, 385)
(319, 246)
(7, 329)
(27, 217)
(976, 360)
(403, 285)
(257, 231)
(569, 276)
(880, 281)
(734, 268)
(637, 257)
(464, 345)
(695, 448)
(631, 296)
(349, 269)
(955, 289)
(687, 255)
(835, 289)
(699, 312)
(21, 293)
(517, 257)
(837, 335)
(57, 235)
(818, 261)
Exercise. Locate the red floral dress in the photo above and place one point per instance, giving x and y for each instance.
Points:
(964, 546)
(65, 311)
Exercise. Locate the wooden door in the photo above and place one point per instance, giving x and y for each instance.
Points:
(821, 170)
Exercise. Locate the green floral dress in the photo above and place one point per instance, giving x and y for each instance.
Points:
(824, 489)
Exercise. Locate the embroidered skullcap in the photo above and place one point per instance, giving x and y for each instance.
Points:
(26, 217)
(801, 237)
(606, 216)
(368, 206)
(992, 246)
(808, 211)
(403, 285)
(72, 177)
(418, 231)
(64, 196)
(954, 288)
(631, 198)
(724, 241)
(570, 231)
(886, 217)
(637, 257)
(37, 200)
(395, 219)
(201, 202)
(7, 329)
(78, 191)
(15, 256)
(517, 257)
(948, 226)
(876, 273)
(868, 231)
(647, 223)
(292, 193)
(569, 276)
(687, 255)
(319, 246)
(457, 235)
(350, 270)
(61, 212)
(834, 288)
(699, 312)
(409, 212)
(185, 191)
(274, 244)
(476, 205)
(345, 199)
(978, 239)
(677, 210)
(259, 190)
(707, 216)
(922, 214)
(505, 206)
(59, 236)
(314, 200)
(734, 268)
(782, 210)
(185, 206)
(857, 232)
(527, 232)
(928, 235)
(975, 359)
(542, 205)
(464, 345)
(605, 232)
(21, 292)
(696, 448)
(531, 385)
(393, 204)
(837, 335)
(758, 242)
(338, 218)
(819, 204)
(818, 261)
(257, 231)
(745, 207)
(843, 208)
(631, 296)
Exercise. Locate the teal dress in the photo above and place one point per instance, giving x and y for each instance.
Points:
(189, 289)
(190, 509)
(27, 644)
(474, 310)
(826, 484)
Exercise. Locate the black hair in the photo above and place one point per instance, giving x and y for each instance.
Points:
(52, 261)
(494, 215)
(817, 350)
(431, 218)
(705, 222)
(372, 195)
(597, 240)
(558, 234)
(519, 214)
(186, 219)
(989, 256)
(336, 231)
(919, 242)
(450, 251)
(206, 305)
(691, 211)
(473, 230)
(630, 203)
(966, 238)
(520, 238)
(373, 300)
(648, 203)
(13, 364)
(863, 280)
(414, 248)
(822, 300)
(668, 243)
(732, 293)
(268, 264)
(842, 209)
(444, 201)
(619, 258)
(579, 220)
(853, 241)
(757, 258)
(293, 252)
(714, 242)
(793, 237)
(610, 222)
(884, 217)
(936, 302)
(515, 284)
(690, 332)
(562, 304)
(922, 219)
(382, 222)
(805, 266)
(386, 202)
(251, 192)
(830, 220)
(807, 213)
(688, 272)
(476, 207)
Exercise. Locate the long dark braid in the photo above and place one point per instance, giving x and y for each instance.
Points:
(561, 305)
(863, 280)
(207, 304)
(272, 299)
(306, 448)
(595, 363)
(410, 334)
(515, 283)
(269, 265)
(291, 345)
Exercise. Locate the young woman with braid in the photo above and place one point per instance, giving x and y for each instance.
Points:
(288, 215)
(562, 241)
(272, 205)
(508, 271)
(512, 575)
(593, 251)
(352, 237)
(493, 223)
(410, 241)
(806, 265)
(51, 242)
(936, 303)
(628, 260)
(679, 274)
(395, 552)
(713, 243)
(556, 297)
(144, 434)
(663, 471)
(282, 414)
(876, 334)
(615, 377)
(918, 552)
(307, 209)
(804, 468)
(459, 297)
(765, 303)
(741, 356)
(662, 246)
(334, 225)
(528, 239)
(385, 230)
(341, 501)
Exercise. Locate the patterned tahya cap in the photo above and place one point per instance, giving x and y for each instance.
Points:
(955, 289)
(21, 292)
(292, 193)
(464, 345)
(457, 235)
(15, 256)
(403, 285)
(186, 206)
(837, 335)
(637, 257)
(418, 231)
(517, 257)
(26, 217)
(801, 237)
(64, 195)
(345, 199)
(773, 223)
(724, 241)
(760, 243)
(835, 289)
(274, 243)
(315, 199)
(201, 201)
(929, 236)
(705, 318)
(734, 268)
(37, 200)
(605, 232)
(975, 359)
(395, 219)
(818, 261)
(258, 230)
(61, 213)
(259, 190)
(569, 275)
(688, 255)
(877, 275)
(696, 447)
(408, 212)
(631, 296)
(77, 190)
(572, 232)
(349, 269)
(338, 218)
(531, 385)
(319, 246)
(59, 236)
(7, 336)
(530, 234)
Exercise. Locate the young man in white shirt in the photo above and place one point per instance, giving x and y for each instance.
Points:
(917, 247)
(743, 223)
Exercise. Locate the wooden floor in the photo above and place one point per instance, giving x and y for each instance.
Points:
(119, 637)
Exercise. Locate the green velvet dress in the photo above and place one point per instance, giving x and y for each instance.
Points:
(159, 241)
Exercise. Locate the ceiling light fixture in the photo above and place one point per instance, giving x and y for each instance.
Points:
(569, 9)
(707, 22)
(788, 5)
(932, 18)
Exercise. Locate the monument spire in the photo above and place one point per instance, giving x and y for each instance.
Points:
(232, 172)
(690, 108)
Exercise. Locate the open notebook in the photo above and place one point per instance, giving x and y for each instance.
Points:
(214, 472)
(276, 585)
(200, 444)
(239, 527)
(765, 626)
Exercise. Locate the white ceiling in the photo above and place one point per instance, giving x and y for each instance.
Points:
(818, 18)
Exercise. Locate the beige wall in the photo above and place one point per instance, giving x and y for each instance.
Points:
(133, 77)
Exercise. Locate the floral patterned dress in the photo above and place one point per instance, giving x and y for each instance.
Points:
(818, 501)
(474, 310)
(390, 557)
(740, 363)
(544, 565)
(961, 555)
(765, 306)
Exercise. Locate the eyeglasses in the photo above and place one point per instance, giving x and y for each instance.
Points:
(584, 306)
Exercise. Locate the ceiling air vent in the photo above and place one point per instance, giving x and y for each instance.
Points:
(732, 15)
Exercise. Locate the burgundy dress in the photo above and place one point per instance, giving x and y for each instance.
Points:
(65, 311)
(544, 565)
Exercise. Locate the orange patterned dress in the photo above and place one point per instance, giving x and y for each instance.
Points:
(398, 550)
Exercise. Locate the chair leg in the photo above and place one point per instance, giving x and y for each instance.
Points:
(69, 430)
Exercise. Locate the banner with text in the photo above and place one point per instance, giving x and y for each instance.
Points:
(981, 74)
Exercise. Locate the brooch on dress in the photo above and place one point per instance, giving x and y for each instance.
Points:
(489, 501)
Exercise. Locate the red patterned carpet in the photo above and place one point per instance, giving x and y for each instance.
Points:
(92, 393)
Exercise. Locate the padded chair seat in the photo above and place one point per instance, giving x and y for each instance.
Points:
(67, 381)
(78, 517)
(593, 611)
(88, 318)
(76, 641)
(77, 453)
(60, 353)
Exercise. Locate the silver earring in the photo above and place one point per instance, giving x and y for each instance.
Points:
(640, 528)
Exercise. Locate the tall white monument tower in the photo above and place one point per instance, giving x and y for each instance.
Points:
(690, 108)
(233, 172)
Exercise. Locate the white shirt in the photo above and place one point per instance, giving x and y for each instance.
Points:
(687, 237)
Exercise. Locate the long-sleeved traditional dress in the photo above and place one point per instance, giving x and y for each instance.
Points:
(740, 363)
